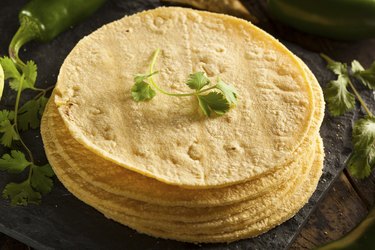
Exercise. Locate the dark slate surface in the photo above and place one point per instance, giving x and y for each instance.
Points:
(64, 222)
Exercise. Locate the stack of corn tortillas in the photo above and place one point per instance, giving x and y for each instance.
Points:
(160, 167)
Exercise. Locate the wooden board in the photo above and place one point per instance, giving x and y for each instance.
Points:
(62, 221)
(337, 214)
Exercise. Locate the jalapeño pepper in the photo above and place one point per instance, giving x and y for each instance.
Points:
(43, 20)
(338, 19)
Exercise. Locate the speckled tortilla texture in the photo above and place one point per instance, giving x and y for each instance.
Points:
(166, 138)
(121, 203)
(287, 209)
(233, 214)
(123, 182)
(282, 210)
(120, 181)
(248, 221)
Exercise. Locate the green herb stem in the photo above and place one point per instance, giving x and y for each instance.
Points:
(30, 173)
(18, 98)
(42, 92)
(38, 89)
(156, 86)
(369, 113)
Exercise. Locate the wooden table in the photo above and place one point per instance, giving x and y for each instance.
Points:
(349, 200)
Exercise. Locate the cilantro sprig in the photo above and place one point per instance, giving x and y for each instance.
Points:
(217, 98)
(38, 182)
(340, 100)
(1, 81)
(29, 191)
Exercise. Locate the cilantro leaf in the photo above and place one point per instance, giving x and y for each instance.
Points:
(7, 128)
(9, 133)
(30, 71)
(21, 194)
(28, 76)
(10, 69)
(362, 158)
(142, 91)
(367, 77)
(42, 104)
(336, 94)
(338, 98)
(6, 115)
(356, 66)
(336, 67)
(213, 101)
(15, 83)
(197, 80)
(229, 91)
(14, 163)
(139, 78)
(358, 164)
(1, 81)
(41, 178)
(30, 113)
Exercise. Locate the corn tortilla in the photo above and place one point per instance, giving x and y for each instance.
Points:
(255, 211)
(164, 139)
(125, 218)
(225, 219)
(149, 211)
(100, 198)
(121, 181)
(285, 211)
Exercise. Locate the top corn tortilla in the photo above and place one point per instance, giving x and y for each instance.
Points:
(120, 181)
(164, 138)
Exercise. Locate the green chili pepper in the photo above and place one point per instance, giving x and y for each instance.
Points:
(338, 19)
(43, 20)
(360, 238)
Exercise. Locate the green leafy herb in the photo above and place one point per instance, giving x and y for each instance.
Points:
(21, 194)
(30, 113)
(30, 72)
(141, 90)
(14, 163)
(7, 128)
(215, 102)
(10, 69)
(41, 178)
(337, 96)
(27, 76)
(229, 92)
(362, 159)
(29, 191)
(219, 101)
(1, 81)
(340, 100)
(367, 77)
(197, 80)
(28, 116)
(336, 67)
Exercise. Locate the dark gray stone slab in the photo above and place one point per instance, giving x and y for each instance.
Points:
(64, 222)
